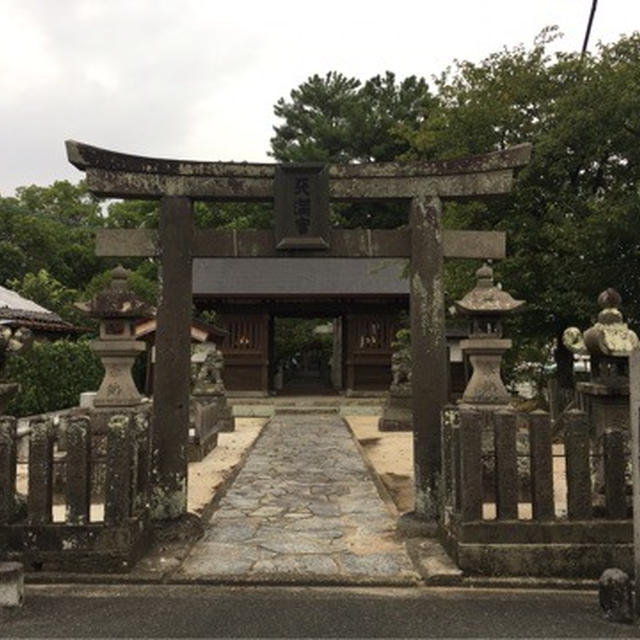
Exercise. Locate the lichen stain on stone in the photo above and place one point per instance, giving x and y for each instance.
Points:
(429, 223)
(69, 544)
(437, 310)
(421, 295)
(430, 308)
(617, 337)
(426, 504)
(169, 503)
(450, 418)
(119, 425)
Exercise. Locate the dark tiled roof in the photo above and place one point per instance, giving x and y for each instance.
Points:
(299, 276)
(37, 320)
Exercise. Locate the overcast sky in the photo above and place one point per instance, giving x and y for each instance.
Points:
(197, 79)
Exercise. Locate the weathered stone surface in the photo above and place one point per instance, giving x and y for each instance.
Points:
(40, 498)
(7, 468)
(352, 243)
(303, 564)
(78, 464)
(119, 462)
(577, 465)
(296, 543)
(122, 175)
(219, 559)
(541, 438)
(375, 564)
(302, 506)
(428, 349)
(11, 584)
(231, 530)
(397, 413)
(85, 156)
(85, 548)
(614, 590)
(173, 359)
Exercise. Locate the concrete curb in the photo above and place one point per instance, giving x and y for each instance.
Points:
(521, 583)
(294, 580)
(282, 580)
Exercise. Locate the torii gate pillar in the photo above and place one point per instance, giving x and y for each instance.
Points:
(428, 349)
(173, 359)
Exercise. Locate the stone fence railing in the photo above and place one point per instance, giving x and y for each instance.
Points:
(514, 502)
(80, 502)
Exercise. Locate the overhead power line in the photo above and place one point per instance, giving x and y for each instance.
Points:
(585, 44)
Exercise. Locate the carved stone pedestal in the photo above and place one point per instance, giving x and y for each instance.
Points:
(397, 414)
(118, 388)
(485, 386)
(221, 410)
(607, 406)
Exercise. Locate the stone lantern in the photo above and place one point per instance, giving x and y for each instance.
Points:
(608, 343)
(486, 305)
(117, 308)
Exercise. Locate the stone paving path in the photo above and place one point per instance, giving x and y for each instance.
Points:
(303, 509)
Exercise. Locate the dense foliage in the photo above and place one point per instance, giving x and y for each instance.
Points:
(293, 337)
(47, 241)
(52, 375)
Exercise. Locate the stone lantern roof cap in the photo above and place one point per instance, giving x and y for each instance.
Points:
(487, 299)
(117, 300)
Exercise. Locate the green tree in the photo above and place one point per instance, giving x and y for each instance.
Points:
(69, 203)
(571, 219)
(45, 290)
(49, 228)
(339, 119)
(47, 238)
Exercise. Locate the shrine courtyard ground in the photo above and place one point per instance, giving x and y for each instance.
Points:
(299, 541)
(304, 491)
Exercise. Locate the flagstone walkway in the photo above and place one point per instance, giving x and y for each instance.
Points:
(304, 508)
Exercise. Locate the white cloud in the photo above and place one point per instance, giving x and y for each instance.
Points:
(199, 78)
(27, 62)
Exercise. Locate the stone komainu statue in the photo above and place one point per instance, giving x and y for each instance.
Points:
(206, 372)
(401, 370)
(13, 341)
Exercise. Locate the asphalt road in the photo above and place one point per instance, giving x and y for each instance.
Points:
(213, 611)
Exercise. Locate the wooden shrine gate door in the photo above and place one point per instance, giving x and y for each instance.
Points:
(369, 339)
(246, 348)
(301, 194)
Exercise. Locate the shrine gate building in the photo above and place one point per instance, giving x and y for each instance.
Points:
(363, 298)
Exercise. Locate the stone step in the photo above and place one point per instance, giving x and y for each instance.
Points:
(236, 398)
(307, 410)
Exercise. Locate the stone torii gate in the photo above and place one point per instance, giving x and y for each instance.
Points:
(176, 184)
